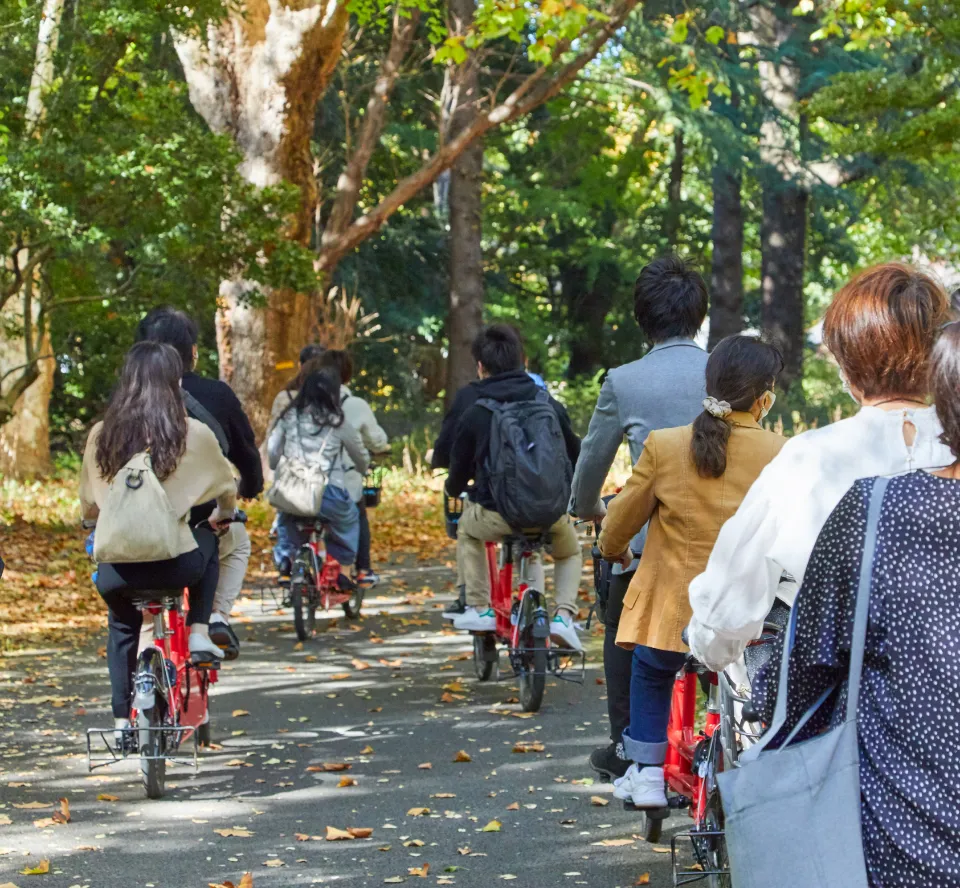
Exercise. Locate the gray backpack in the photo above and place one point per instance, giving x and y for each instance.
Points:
(527, 465)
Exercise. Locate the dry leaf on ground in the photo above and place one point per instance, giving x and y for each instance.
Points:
(238, 832)
(599, 801)
(643, 879)
(41, 869)
(528, 746)
(462, 756)
(492, 826)
(418, 812)
(339, 835)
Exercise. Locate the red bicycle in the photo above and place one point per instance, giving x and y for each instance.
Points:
(523, 623)
(318, 582)
(171, 692)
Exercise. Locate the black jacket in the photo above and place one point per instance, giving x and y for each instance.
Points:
(471, 433)
(223, 404)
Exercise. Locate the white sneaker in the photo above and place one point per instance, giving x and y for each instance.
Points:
(644, 788)
(562, 628)
(203, 649)
(473, 620)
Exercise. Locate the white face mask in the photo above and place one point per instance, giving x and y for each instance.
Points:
(845, 383)
(765, 410)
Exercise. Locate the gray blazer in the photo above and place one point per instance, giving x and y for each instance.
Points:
(663, 390)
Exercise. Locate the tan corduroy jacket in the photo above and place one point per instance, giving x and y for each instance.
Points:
(685, 513)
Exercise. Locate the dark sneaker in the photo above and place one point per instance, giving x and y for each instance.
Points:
(285, 568)
(223, 636)
(609, 761)
(367, 578)
(456, 607)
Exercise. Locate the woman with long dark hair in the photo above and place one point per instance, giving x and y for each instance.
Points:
(313, 431)
(687, 482)
(146, 415)
(910, 681)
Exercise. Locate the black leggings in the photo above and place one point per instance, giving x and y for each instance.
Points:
(118, 585)
(363, 551)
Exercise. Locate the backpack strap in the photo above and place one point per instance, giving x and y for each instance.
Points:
(199, 412)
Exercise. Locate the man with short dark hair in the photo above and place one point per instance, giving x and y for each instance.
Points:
(213, 403)
(664, 389)
(498, 352)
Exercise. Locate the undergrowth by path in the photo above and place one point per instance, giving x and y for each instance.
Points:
(46, 586)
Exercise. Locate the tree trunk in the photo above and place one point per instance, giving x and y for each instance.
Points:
(672, 219)
(783, 247)
(726, 271)
(465, 314)
(258, 77)
(785, 189)
(587, 315)
(25, 438)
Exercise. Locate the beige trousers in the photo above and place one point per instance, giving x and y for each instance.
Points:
(479, 525)
(235, 552)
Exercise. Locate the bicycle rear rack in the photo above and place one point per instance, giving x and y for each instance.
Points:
(132, 749)
(686, 875)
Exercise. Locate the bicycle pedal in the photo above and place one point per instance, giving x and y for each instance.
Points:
(205, 662)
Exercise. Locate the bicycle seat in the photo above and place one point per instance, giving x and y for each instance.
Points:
(143, 598)
(307, 524)
(529, 540)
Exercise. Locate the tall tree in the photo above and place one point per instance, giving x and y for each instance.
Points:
(465, 313)
(258, 77)
(726, 266)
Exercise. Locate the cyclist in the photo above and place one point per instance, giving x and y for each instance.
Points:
(909, 698)
(880, 328)
(146, 414)
(359, 414)
(662, 390)
(312, 430)
(685, 483)
(498, 352)
(309, 361)
(213, 403)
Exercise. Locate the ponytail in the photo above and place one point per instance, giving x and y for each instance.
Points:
(740, 369)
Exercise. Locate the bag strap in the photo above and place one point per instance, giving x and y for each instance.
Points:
(198, 411)
(857, 646)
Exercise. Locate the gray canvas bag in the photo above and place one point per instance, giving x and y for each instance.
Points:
(793, 813)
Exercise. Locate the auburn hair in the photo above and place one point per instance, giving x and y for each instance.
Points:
(881, 327)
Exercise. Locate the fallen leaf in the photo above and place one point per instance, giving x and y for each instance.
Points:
(29, 806)
(239, 763)
(492, 826)
(393, 880)
(599, 801)
(340, 676)
(417, 812)
(414, 843)
(614, 843)
(443, 795)
(360, 665)
(367, 750)
(246, 881)
(420, 871)
(41, 869)
(5, 820)
(62, 815)
(514, 806)
(528, 746)
(298, 646)
(643, 879)
(106, 797)
(347, 781)
(44, 822)
(274, 863)
(426, 766)
(238, 832)
(360, 832)
(507, 877)
(334, 766)
(339, 835)
(239, 713)
(301, 837)
(462, 756)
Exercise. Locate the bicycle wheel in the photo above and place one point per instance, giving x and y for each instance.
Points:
(711, 848)
(351, 608)
(153, 767)
(296, 602)
(484, 655)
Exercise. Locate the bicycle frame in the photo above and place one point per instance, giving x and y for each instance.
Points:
(502, 597)
(684, 740)
(326, 572)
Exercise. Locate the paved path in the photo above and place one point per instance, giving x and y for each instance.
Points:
(392, 696)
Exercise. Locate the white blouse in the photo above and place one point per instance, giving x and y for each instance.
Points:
(774, 530)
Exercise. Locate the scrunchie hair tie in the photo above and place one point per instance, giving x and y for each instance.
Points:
(716, 408)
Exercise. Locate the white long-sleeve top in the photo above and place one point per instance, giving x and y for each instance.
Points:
(774, 530)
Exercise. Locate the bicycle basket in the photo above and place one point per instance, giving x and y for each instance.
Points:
(373, 486)
(452, 510)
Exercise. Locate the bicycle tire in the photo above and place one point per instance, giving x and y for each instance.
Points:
(483, 664)
(652, 829)
(296, 603)
(352, 608)
(712, 851)
(153, 769)
(533, 674)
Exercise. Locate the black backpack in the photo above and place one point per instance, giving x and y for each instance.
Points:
(529, 472)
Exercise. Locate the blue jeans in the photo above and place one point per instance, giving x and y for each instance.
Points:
(651, 691)
(343, 531)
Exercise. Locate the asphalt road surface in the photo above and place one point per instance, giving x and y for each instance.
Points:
(392, 696)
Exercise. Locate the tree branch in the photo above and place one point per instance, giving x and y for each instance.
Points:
(538, 88)
(374, 118)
